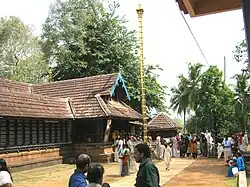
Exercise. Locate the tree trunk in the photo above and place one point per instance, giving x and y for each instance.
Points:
(184, 123)
(107, 131)
(245, 119)
(246, 124)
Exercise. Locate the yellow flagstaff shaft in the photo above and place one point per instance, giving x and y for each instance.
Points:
(142, 77)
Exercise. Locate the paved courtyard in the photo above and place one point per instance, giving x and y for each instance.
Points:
(177, 166)
(204, 173)
(183, 173)
(57, 176)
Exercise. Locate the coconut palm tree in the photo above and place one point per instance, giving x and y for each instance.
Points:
(242, 100)
(179, 102)
(184, 96)
(193, 84)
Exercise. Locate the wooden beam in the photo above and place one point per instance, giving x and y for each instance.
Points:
(189, 4)
(205, 7)
(107, 131)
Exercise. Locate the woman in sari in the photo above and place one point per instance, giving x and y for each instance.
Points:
(125, 160)
(188, 144)
(194, 146)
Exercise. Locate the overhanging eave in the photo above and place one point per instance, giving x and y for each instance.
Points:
(204, 7)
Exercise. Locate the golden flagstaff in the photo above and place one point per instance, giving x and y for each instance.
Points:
(140, 11)
(205, 7)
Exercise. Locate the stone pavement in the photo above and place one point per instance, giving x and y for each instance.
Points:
(177, 166)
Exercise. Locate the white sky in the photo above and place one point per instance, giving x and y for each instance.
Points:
(167, 40)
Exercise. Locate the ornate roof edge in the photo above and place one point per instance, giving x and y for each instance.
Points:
(119, 78)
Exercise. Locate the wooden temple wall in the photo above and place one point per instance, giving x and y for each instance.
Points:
(87, 137)
(26, 143)
(99, 152)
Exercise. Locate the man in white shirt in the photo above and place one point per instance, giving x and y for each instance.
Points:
(158, 138)
(227, 148)
(245, 142)
(208, 137)
(5, 176)
(120, 156)
(158, 146)
(5, 179)
(220, 150)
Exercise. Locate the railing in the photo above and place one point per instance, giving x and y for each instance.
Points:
(31, 147)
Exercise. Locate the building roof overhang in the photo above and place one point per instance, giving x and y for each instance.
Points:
(197, 8)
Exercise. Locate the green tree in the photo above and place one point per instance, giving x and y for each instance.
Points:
(184, 97)
(21, 57)
(214, 103)
(179, 102)
(82, 38)
(240, 53)
(210, 99)
(193, 84)
(242, 101)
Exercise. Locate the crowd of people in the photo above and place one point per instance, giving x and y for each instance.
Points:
(237, 169)
(94, 172)
(230, 145)
(88, 174)
(164, 149)
(132, 154)
(232, 148)
(124, 153)
(184, 145)
(147, 175)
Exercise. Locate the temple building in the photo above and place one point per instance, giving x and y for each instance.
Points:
(163, 125)
(51, 122)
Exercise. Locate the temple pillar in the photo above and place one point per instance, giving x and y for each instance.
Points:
(107, 131)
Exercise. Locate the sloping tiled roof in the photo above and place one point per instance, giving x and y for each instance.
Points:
(122, 110)
(161, 121)
(32, 105)
(83, 95)
(82, 92)
(78, 89)
(7, 85)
